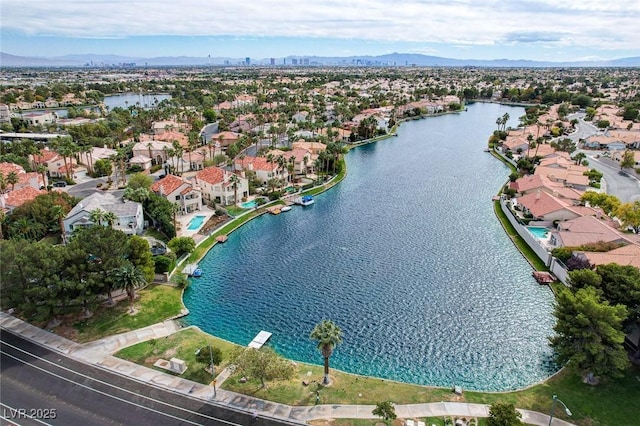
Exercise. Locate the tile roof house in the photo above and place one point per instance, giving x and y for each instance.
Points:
(261, 166)
(181, 192)
(585, 230)
(543, 206)
(18, 197)
(625, 255)
(55, 164)
(129, 214)
(217, 186)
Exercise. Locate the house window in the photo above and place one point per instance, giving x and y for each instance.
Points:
(177, 197)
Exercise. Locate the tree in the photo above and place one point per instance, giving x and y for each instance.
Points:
(235, 180)
(628, 160)
(589, 334)
(629, 215)
(102, 167)
(503, 414)
(262, 364)
(182, 245)
(328, 335)
(209, 355)
(386, 410)
(12, 179)
(97, 216)
(59, 213)
(129, 277)
(139, 254)
(139, 180)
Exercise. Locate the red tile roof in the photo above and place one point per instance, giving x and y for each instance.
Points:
(211, 175)
(20, 196)
(169, 184)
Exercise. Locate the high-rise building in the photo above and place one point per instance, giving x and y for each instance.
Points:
(273, 61)
(294, 61)
(247, 61)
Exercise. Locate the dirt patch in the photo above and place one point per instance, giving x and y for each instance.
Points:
(170, 353)
(213, 222)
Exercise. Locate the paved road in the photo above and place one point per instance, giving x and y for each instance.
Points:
(61, 391)
(625, 187)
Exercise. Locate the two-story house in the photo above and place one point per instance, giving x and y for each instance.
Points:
(217, 185)
(181, 192)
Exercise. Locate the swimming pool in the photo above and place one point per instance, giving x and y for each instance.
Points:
(249, 204)
(539, 232)
(195, 222)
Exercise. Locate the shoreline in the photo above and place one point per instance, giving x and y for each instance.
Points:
(323, 188)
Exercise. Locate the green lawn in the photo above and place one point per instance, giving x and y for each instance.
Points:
(155, 304)
(182, 345)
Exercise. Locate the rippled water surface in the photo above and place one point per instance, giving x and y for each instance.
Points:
(405, 255)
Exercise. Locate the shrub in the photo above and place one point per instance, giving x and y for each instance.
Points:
(162, 263)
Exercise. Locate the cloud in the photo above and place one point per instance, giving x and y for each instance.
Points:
(587, 23)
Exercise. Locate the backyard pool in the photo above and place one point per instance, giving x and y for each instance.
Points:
(540, 233)
(249, 204)
(196, 222)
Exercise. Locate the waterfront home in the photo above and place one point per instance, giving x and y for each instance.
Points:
(625, 255)
(314, 147)
(39, 118)
(217, 185)
(264, 169)
(532, 183)
(181, 192)
(129, 216)
(585, 230)
(515, 144)
(543, 206)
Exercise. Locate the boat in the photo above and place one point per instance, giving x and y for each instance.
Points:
(305, 200)
(197, 273)
(285, 208)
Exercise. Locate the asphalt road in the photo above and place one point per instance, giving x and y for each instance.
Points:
(39, 387)
(625, 187)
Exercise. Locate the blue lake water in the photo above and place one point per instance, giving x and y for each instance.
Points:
(405, 255)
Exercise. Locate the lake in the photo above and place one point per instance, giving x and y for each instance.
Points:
(405, 255)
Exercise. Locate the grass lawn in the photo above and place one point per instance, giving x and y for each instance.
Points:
(155, 304)
(182, 345)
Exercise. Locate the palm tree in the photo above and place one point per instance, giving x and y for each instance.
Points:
(235, 180)
(530, 140)
(3, 183)
(128, 278)
(12, 179)
(328, 335)
(43, 172)
(59, 214)
(110, 218)
(97, 216)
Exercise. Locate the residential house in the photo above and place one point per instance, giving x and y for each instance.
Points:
(160, 127)
(156, 150)
(628, 255)
(264, 169)
(543, 206)
(129, 216)
(55, 164)
(39, 118)
(617, 156)
(19, 196)
(141, 161)
(225, 138)
(585, 230)
(181, 192)
(97, 153)
(217, 186)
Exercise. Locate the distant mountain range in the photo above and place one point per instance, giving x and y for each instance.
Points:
(394, 59)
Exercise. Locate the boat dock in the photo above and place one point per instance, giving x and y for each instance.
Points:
(259, 340)
(221, 238)
(190, 268)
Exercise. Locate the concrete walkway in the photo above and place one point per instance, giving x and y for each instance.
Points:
(98, 353)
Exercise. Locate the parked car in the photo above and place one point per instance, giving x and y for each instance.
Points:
(60, 184)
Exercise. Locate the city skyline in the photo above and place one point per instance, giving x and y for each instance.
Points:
(464, 29)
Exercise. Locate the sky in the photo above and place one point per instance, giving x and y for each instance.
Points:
(543, 30)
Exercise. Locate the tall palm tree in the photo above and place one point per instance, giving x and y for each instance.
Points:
(128, 278)
(59, 214)
(235, 180)
(110, 218)
(328, 335)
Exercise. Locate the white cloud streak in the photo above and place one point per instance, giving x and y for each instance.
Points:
(598, 24)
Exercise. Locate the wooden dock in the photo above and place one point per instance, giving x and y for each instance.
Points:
(221, 238)
(190, 268)
(259, 340)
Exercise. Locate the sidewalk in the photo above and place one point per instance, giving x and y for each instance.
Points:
(98, 353)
